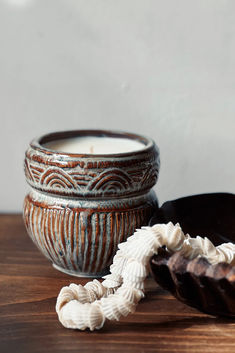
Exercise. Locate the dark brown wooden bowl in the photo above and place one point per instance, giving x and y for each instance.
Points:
(209, 288)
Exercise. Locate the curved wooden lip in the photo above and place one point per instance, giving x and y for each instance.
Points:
(148, 143)
(209, 214)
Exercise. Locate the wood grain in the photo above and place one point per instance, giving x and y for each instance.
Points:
(28, 322)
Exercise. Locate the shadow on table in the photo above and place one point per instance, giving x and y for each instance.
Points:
(165, 325)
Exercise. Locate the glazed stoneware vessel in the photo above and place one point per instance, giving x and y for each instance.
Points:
(80, 206)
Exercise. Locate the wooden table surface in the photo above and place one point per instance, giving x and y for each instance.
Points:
(28, 322)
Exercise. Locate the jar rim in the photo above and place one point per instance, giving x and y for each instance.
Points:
(37, 143)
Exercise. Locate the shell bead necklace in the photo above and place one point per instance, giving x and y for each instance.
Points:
(81, 307)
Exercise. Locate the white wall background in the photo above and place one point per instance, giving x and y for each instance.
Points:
(165, 69)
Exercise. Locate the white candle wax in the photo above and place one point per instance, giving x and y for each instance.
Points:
(95, 145)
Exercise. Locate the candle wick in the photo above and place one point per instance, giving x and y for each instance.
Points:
(92, 149)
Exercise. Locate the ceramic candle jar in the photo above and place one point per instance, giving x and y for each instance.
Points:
(81, 205)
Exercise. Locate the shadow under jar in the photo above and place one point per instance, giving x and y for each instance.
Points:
(90, 189)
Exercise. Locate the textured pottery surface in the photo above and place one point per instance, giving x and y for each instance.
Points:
(209, 288)
(81, 206)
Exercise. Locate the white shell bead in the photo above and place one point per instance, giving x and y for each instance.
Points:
(132, 295)
(135, 269)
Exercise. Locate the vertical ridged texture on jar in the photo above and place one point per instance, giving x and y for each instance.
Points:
(81, 241)
(81, 206)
